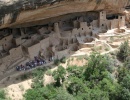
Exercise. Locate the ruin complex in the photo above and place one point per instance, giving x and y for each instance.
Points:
(55, 35)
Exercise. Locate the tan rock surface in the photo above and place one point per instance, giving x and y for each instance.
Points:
(33, 17)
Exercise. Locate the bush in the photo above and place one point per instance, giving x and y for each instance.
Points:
(127, 62)
(43, 93)
(97, 64)
(24, 77)
(38, 73)
(57, 62)
(111, 63)
(59, 75)
(37, 84)
(124, 51)
(2, 95)
(63, 60)
(38, 78)
(48, 72)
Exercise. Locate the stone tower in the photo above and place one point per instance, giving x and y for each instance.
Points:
(56, 29)
(102, 19)
(121, 21)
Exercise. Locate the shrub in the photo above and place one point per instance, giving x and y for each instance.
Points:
(63, 60)
(38, 78)
(24, 77)
(59, 75)
(107, 49)
(57, 62)
(38, 73)
(2, 95)
(43, 93)
(49, 72)
(37, 84)
(124, 51)
(111, 63)
(96, 65)
(127, 62)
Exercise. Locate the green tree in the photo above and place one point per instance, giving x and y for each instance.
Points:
(111, 63)
(76, 85)
(96, 67)
(93, 94)
(38, 78)
(62, 94)
(75, 71)
(97, 94)
(124, 81)
(59, 75)
(44, 93)
(124, 51)
(127, 63)
(113, 88)
(124, 94)
(122, 72)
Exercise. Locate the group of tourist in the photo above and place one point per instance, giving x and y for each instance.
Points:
(34, 63)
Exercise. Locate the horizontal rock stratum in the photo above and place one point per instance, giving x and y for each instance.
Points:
(34, 17)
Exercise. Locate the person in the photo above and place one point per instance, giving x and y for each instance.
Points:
(51, 58)
(22, 67)
(18, 68)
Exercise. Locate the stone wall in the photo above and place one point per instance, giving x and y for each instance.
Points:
(6, 42)
(14, 55)
(60, 54)
(34, 50)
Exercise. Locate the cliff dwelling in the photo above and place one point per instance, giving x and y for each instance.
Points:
(59, 37)
(37, 34)
(27, 35)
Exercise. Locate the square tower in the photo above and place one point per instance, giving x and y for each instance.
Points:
(121, 21)
(102, 15)
(57, 29)
(102, 19)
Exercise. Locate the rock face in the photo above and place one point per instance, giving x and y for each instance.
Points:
(25, 18)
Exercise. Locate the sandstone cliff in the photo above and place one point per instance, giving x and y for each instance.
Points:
(25, 18)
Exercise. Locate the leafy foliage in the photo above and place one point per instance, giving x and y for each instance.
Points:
(63, 60)
(127, 62)
(96, 69)
(124, 51)
(57, 62)
(24, 77)
(62, 94)
(38, 78)
(44, 93)
(94, 81)
(59, 75)
(75, 86)
(2, 95)
(75, 71)
(124, 81)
